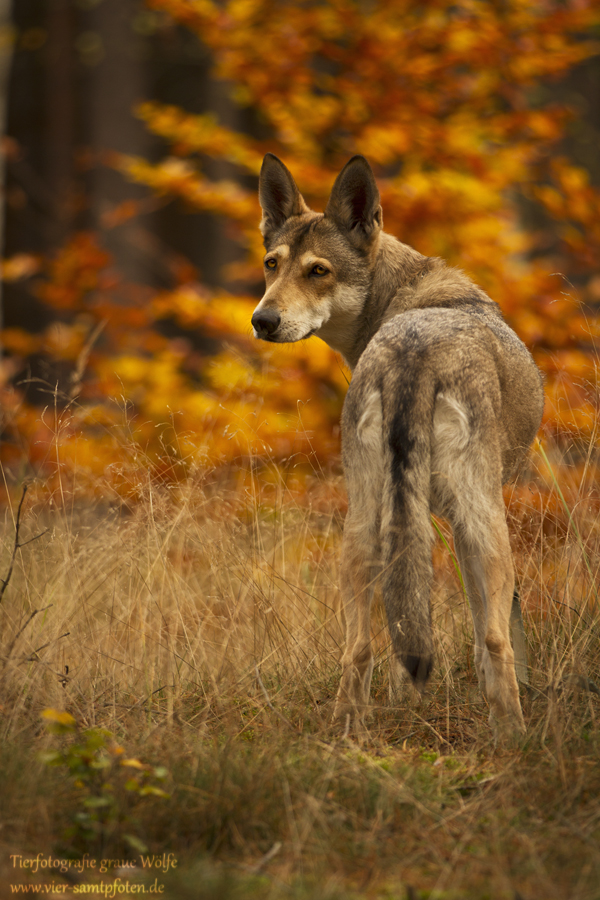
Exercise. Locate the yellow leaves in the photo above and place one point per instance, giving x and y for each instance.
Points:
(172, 174)
(64, 341)
(329, 20)
(544, 125)
(74, 272)
(134, 764)
(58, 721)
(231, 314)
(193, 13)
(19, 342)
(551, 198)
(22, 265)
(176, 176)
(448, 193)
(200, 134)
(193, 306)
(243, 11)
(226, 373)
(433, 93)
(462, 39)
(531, 326)
(60, 717)
(187, 304)
(94, 415)
(523, 68)
(131, 369)
(568, 407)
(575, 204)
(424, 66)
(382, 144)
(572, 179)
(463, 135)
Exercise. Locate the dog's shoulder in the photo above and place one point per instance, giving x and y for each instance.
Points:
(414, 281)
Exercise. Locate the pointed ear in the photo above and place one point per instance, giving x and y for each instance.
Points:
(354, 203)
(278, 195)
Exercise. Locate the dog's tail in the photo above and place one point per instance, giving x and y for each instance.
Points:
(406, 532)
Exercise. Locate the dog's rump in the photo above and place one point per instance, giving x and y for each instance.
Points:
(465, 352)
(424, 430)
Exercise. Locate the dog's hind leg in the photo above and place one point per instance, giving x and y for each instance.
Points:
(489, 578)
(483, 549)
(467, 478)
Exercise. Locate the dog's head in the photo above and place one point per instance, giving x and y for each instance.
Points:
(317, 265)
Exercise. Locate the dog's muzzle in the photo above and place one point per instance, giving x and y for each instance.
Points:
(265, 323)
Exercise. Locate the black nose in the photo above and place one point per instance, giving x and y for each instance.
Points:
(266, 321)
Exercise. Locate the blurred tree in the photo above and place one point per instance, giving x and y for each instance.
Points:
(59, 125)
(6, 40)
(455, 106)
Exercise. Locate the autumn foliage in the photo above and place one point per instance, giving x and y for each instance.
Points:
(443, 98)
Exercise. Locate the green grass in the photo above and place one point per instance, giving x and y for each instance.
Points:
(202, 628)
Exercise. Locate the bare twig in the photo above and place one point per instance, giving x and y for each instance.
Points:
(260, 865)
(82, 360)
(435, 731)
(34, 538)
(16, 545)
(34, 655)
(283, 719)
(23, 627)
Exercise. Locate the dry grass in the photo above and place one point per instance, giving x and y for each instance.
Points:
(202, 627)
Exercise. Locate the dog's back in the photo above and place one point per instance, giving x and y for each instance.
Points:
(443, 405)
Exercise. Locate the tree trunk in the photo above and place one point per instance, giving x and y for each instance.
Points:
(60, 119)
(6, 41)
(117, 85)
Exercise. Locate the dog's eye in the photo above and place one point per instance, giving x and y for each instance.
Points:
(271, 263)
(319, 270)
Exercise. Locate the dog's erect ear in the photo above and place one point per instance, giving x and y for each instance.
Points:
(278, 195)
(354, 202)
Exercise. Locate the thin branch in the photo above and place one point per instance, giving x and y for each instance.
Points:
(16, 545)
(283, 719)
(34, 538)
(23, 627)
(269, 855)
(34, 655)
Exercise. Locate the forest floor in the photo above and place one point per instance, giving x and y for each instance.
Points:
(168, 671)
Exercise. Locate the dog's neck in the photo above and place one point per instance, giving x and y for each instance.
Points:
(395, 266)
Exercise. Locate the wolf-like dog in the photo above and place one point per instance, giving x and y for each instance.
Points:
(443, 405)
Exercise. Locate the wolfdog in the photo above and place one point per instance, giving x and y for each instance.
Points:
(442, 407)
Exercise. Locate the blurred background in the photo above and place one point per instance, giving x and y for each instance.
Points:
(132, 138)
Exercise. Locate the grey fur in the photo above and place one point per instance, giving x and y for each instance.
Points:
(443, 405)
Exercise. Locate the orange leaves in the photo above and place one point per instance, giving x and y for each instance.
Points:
(63, 341)
(438, 96)
(575, 204)
(218, 314)
(74, 273)
(187, 304)
(382, 144)
(200, 134)
(178, 177)
(19, 342)
(228, 374)
(22, 265)
(384, 53)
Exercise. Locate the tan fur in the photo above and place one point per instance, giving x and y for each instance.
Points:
(443, 404)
